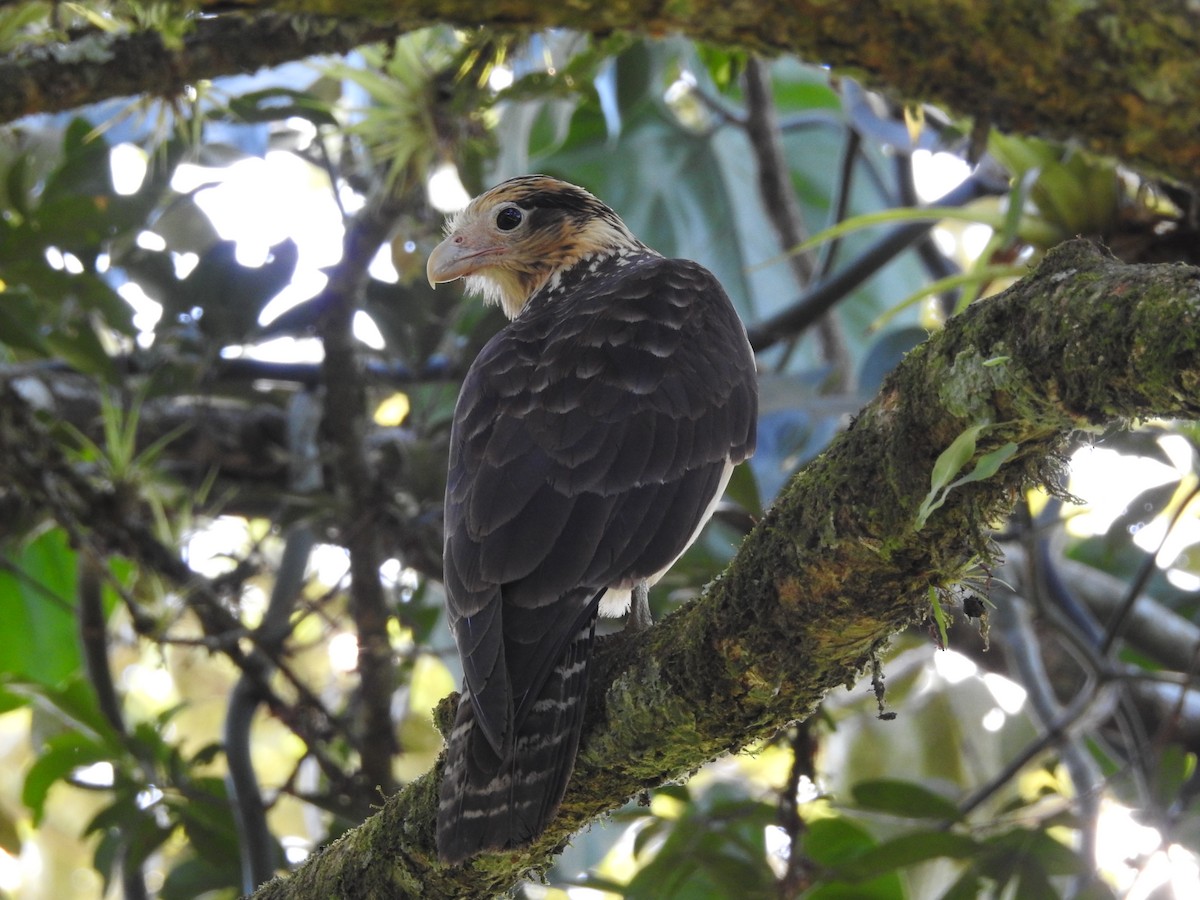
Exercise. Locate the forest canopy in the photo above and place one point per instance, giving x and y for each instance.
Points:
(966, 263)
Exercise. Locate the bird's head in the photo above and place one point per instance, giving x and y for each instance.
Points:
(511, 240)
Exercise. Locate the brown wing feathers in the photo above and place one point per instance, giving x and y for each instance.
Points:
(589, 440)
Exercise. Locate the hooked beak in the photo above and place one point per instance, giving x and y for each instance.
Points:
(457, 256)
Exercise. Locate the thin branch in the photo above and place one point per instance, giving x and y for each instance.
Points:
(774, 174)
(256, 846)
(822, 297)
(779, 199)
(1152, 628)
(1024, 652)
(798, 876)
(359, 498)
(840, 207)
(93, 641)
(1116, 625)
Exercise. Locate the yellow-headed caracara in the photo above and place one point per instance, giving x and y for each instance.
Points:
(592, 440)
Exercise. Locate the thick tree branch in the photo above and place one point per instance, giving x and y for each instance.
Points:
(97, 67)
(1122, 77)
(840, 562)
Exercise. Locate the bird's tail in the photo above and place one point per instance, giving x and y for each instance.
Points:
(490, 802)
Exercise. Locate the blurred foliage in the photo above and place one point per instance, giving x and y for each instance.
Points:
(148, 294)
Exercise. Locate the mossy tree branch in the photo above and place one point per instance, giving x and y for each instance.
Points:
(1122, 77)
(839, 563)
(61, 76)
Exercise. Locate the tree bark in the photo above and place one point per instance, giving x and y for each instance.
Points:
(1121, 77)
(95, 67)
(841, 561)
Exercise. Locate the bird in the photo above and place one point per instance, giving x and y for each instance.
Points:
(593, 437)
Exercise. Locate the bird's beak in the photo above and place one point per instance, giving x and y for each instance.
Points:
(460, 254)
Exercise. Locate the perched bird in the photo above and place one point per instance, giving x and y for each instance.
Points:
(593, 437)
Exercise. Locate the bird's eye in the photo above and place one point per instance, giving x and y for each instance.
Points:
(508, 218)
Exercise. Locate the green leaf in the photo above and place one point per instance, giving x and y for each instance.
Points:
(279, 103)
(951, 462)
(903, 798)
(716, 849)
(1176, 766)
(976, 277)
(136, 832)
(886, 887)
(58, 757)
(906, 850)
(37, 606)
(953, 458)
(196, 877)
(80, 345)
(20, 318)
(1026, 844)
(84, 170)
(207, 819)
(647, 834)
(939, 617)
(1032, 231)
(72, 704)
(989, 464)
(966, 887)
(1077, 193)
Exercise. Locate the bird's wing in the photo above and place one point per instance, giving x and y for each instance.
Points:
(589, 440)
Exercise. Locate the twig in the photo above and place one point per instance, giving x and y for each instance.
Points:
(1149, 566)
(798, 876)
(821, 297)
(93, 641)
(779, 199)
(936, 263)
(841, 200)
(1023, 650)
(256, 847)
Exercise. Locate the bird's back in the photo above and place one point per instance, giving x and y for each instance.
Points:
(591, 439)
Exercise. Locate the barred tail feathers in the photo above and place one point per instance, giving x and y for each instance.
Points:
(491, 803)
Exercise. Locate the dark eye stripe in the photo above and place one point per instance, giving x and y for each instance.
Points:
(569, 201)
